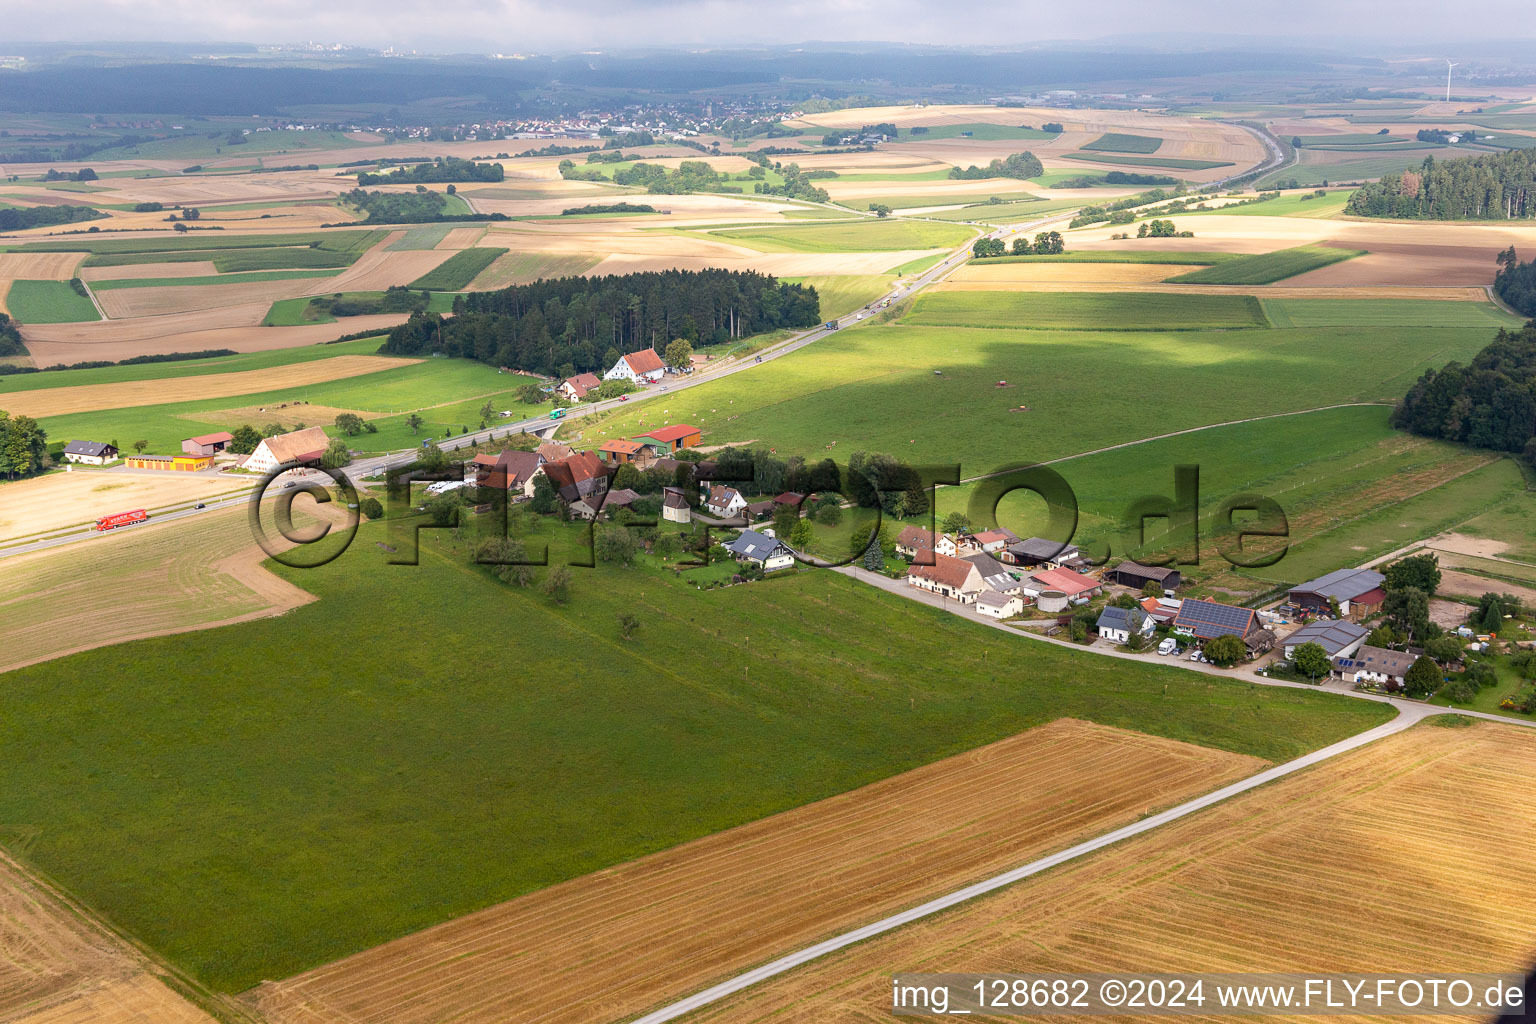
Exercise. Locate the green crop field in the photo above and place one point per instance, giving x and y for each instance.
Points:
(1050, 179)
(1303, 204)
(937, 199)
(896, 176)
(1348, 139)
(297, 312)
(1317, 167)
(1155, 256)
(1385, 313)
(135, 781)
(1270, 266)
(1088, 311)
(918, 265)
(208, 145)
(49, 302)
(331, 241)
(282, 259)
(1148, 161)
(427, 236)
(1115, 142)
(457, 271)
(980, 130)
(1006, 213)
(527, 267)
(118, 284)
(864, 235)
(844, 293)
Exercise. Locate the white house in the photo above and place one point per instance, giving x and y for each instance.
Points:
(301, 446)
(1118, 624)
(1375, 665)
(91, 453)
(674, 505)
(643, 367)
(761, 549)
(725, 502)
(999, 606)
(948, 577)
(913, 540)
(576, 388)
(1337, 638)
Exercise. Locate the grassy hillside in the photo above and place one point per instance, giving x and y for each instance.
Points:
(1129, 311)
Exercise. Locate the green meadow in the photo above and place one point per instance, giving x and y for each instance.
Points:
(49, 302)
(1269, 267)
(1147, 161)
(867, 234)
(1116, 142)
(980, 130)
(1128, 311)
(284, 812)
(843, 293)
(455, 273)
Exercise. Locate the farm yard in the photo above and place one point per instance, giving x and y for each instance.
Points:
(1395, 808)
(675, 920)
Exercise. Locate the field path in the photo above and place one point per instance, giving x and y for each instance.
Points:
(1408, 715)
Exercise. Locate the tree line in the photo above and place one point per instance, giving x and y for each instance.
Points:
(44, 216)
(420, 207)
(584, 323)
(10, 338)
(23, 446)
(1019, 165)
(1490, 403)
(1498, 186)
(1515, 282)
(442, 169)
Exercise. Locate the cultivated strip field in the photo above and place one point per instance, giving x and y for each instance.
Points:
(95, 397)
(57, 967)
(609, 945)
(42, 504)
(1369, 862)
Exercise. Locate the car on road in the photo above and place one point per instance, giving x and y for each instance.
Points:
(623, 398)
(199, 505)
(861, 316)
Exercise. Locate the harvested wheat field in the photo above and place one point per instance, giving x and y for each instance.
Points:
(1002, 275)
(611, 944)
(236, 328)
(1394, 858)
(1399, 263)
(148, 271)
(780, 264)
(153, 580)
(376, 270)
(39, 266)
(1268, 291)
(127, 394)
(59, 967)
(290, 416)
(132, 303)
(62, 500)
(461, 238)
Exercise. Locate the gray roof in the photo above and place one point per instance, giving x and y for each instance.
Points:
(1128, 619)
(1378, 659)
(1332, 635)
(1151, 572)
(994, 599)
(754, 545)
(1036, 547)
(92, 448)
(1342, 585)
(988, 565)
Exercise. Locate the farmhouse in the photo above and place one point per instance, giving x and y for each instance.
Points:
(988, 542)
(761, 550)
(1338, 639)
(554, 451)
(997, 604)
(91, 453)
(913, 540)
(1118, 624)
(300, 447)
(674, 505)
(725, 502)
(666, 440)
(759, 509)
(509, 471)
(1130, 574)
(576, 388)
(988, 565)
(1357, 591)
(948, 577)
(1204, 620)
(1375, 665)
(1037, 551)
(617, 453)
(207, 444)
(577, 477)
(789, 499)
(1162, 609)
(1075, 586)
(642, 367)
(598, 502)
(171, 463)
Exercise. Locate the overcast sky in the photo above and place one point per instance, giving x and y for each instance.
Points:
(537, 25)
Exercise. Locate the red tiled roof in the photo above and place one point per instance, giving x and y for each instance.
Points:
(621, 447)
(645, 361)
(214, 438)
(1065, 580)
(915, 537)
(1373, 596)
(946, 569)
(676, 432)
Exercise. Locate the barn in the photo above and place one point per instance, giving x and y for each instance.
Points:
(1137, 576)
(207, 444)
(1207, 619)
(301, 447)
(666, 440)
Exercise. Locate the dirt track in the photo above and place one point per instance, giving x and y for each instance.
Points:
(1394, 858)
(95, 397)
(609, 945)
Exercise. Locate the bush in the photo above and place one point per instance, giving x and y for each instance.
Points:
(1225, 651)
(371, 508)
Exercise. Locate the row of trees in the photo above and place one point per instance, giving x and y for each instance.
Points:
(23, 446)
(45, 216)
(1515, 282)
(584, 323)
(1499, 186)
(419, 207)
(439, 170)
(1018, 165)
(1488, 404)
(1046, 243)
(10, 338)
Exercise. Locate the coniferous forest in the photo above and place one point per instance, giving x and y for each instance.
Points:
(1490, 403)
(587, 322)
(1499, 186)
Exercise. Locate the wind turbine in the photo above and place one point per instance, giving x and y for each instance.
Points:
(1448, 66)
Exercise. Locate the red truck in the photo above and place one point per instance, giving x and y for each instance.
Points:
(122, 519)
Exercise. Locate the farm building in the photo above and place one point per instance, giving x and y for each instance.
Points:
(988, 565)
(1375, 665)
(170, 463)
(1259, 641)
(577, 477)
(1034, 551)
(509, 471)
(91, 453)
(576, 388)
(725, 502)
(674, 505)
(1052, 601)
(617, 453)
(997, 604)
(789, 499)
(1076, 586)
(598, 502)
(947, 576)
(207, 444)
(1204, 620)
(666, 440)
(913, 540)
(1358, 593)
(759, 509)
(300, 447)
(988, 542)
(642, 367)
(762, 550)
(554, 451)
(1118, 624)
(1136, 576)
(1338, 639)
(1163, 609)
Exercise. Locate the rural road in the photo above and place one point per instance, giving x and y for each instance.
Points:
(1408, 715)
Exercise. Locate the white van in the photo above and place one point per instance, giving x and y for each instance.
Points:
(1168, 646)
